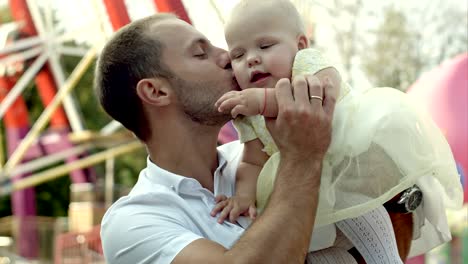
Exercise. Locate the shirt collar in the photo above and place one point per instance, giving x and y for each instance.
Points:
(177, 182)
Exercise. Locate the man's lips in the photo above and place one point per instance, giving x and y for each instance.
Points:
(257, 76)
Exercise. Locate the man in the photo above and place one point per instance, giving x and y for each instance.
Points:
(172, 111)
(160, 78)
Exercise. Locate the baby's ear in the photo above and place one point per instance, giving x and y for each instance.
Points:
(302, 42)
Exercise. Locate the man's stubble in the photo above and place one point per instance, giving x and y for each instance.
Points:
(198, 99)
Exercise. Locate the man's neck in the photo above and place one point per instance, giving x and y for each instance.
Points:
(187, 151)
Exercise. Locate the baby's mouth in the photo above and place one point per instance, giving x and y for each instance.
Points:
(259, 76)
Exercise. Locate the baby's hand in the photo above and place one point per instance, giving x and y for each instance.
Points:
(247, 102)
(234, 207)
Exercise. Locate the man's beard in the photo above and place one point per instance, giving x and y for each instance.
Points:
(198, 99)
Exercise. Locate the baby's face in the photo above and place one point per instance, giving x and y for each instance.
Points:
(262, 50)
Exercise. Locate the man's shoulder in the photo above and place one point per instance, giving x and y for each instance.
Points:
(145, 196)
(145, 221)
(139, 201)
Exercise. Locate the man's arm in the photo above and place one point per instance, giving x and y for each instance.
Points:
(403, 227)
(280, 235)
(302, 132)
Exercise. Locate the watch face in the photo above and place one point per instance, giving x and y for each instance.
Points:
(414, 200)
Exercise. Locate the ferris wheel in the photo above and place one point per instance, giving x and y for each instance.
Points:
(31, 47)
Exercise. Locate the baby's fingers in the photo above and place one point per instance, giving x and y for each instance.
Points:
(225, 97)
(252, 212)
(229, 104)
(224, 214)
(220, 198)
(234, 214)
(218, 207)
(239, 109)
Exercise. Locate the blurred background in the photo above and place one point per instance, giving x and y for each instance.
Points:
(63, 161)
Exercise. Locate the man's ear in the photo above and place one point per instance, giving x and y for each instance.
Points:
(154, 91)
(302, 42)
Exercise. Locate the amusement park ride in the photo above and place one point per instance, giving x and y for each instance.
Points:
(30, 49)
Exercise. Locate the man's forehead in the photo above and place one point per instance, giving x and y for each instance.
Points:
(176, 32)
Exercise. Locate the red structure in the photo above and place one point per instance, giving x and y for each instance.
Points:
(17, 126)
(117, 12)
(173, 6)
(16, 119)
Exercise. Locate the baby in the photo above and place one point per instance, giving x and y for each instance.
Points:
(381, 144)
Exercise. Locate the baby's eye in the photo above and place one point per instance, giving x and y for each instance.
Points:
(266, 46)
(200, 55)
(237, 56)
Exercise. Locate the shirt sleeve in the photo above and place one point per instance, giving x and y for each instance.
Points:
(137, 231)
(245, 129)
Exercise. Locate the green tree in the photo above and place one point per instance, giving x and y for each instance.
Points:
(5, 15)
(411, 41)
(394, 59)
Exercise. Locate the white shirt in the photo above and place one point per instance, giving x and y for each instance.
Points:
(165, 212)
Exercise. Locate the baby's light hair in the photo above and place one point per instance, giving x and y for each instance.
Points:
(285, 6)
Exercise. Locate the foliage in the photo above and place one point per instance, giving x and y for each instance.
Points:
(53, 197)
(409, 43)
(5, 201)
(394, 59)
(5, 15)
(391, 43)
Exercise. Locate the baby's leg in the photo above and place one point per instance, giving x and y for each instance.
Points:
(373, 236)
(334, 255)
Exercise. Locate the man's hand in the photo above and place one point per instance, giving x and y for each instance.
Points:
(234, 207)
(302, 129)
(247, 102)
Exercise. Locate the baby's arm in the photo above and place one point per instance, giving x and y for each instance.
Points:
(243, 203)
(262, 101)
(249, 102)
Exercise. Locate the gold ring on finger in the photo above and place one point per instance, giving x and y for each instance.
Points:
(316, 97)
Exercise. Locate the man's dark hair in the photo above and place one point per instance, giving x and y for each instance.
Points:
(131, 55)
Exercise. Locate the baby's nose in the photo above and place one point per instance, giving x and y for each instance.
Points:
(254, 60)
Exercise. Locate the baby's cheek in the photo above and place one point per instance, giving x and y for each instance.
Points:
(241, 77)
(282, 69)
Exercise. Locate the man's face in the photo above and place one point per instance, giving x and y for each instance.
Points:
(202, 71)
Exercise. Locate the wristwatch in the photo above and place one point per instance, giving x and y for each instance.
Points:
(406, 202)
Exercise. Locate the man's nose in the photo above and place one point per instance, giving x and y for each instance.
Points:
(223, 59)
(253, 60)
